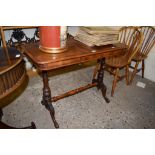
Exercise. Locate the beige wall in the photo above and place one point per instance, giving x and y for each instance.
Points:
(150, 65)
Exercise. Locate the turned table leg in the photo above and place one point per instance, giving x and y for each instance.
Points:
(99, 80)
(47, 98)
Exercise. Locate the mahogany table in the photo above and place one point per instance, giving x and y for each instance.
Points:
(76, 53)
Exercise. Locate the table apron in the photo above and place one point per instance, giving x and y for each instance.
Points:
(73, 61)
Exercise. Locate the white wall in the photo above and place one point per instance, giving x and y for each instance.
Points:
(150, 66)
(73, 30)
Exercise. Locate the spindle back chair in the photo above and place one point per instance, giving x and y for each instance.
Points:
(133, 38)
(147, 45)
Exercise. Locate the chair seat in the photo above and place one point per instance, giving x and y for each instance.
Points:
(117, 62)
(139, 57)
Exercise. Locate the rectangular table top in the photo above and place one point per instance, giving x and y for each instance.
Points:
(76, 53)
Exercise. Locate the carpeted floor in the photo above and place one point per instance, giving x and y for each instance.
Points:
(131, 106)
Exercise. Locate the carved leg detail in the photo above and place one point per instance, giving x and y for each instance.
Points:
(47, 98)
(50, 108)
(33, 126)
(99, 80)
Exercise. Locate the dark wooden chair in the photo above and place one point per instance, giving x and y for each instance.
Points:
(133, 39)
(148, 43)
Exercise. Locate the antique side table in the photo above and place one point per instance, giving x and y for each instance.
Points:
(76, 53)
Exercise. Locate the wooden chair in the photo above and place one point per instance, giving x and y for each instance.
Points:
(133, 39)
(148, 43)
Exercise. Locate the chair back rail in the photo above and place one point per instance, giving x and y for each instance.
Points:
(149, 40)
(147, 44)
(133, 38)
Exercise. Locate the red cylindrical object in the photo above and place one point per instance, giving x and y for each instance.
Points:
(50, 36)
(50, 39)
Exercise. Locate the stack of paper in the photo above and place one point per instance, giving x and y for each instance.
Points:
(97, 36)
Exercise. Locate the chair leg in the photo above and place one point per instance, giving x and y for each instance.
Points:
(127, 74)
(114, 82)
(143, 67)
(134, 72)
